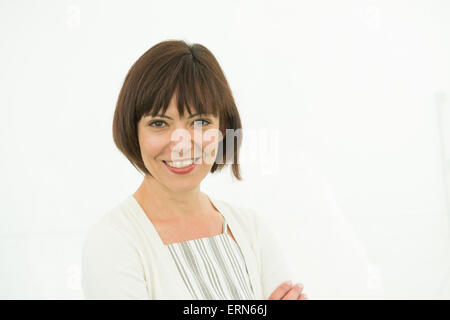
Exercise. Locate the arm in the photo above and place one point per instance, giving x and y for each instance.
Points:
(111, 266)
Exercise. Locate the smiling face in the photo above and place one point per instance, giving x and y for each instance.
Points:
(168, 137)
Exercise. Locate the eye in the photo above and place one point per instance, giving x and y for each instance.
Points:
(152, 124)
(207, 122)
(160, 123)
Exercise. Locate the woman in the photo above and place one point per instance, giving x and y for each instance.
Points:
(169, 240)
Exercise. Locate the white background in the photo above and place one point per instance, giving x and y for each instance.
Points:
(354, 97)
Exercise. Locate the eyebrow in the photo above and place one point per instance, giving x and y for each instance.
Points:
(164, 116)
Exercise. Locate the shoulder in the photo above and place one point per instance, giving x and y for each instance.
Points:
(112, 260)
(117, 224)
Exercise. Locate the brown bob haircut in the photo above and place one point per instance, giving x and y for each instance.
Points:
(192, 73)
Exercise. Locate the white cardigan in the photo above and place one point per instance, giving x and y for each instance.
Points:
(123, 256)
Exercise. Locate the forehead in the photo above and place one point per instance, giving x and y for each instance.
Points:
(173, 111)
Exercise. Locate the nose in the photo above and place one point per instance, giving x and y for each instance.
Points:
(182, 144)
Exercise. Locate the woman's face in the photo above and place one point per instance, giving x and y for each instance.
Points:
(167, 138)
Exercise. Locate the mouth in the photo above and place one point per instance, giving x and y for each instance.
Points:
(182, 163)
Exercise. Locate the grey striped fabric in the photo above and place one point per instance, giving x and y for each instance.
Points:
(213, 268)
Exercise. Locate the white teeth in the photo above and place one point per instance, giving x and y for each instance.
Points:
(180, 164)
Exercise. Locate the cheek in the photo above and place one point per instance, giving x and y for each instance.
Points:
(152, 145)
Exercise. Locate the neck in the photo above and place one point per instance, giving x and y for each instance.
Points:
(162, 203)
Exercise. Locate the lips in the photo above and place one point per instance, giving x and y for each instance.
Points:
(183, 170)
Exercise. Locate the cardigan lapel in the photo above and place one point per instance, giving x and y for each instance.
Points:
(168, 282)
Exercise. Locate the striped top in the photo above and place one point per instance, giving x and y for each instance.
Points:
(213, 268)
